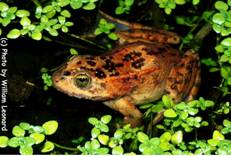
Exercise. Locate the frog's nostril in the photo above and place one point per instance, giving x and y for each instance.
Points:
(66, 73)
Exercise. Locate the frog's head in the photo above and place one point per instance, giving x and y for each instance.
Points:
(77, 78)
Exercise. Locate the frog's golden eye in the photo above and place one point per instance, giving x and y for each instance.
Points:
(82, 80)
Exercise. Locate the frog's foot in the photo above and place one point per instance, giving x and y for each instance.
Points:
(131, 113)
(184, 79)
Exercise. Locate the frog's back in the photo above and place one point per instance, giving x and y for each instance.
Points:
(137, 59)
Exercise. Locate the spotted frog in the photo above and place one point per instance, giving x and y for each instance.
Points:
(141, 70)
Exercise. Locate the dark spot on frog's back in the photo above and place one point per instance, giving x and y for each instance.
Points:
(109, 65)
(150, 50)
(138, 63)
(119, 65)
(103, 57)
(127, 57)
(78, 62)
(91, 63)
(100, 73)
(136, 53)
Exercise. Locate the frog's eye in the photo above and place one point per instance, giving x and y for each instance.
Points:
(82, 80)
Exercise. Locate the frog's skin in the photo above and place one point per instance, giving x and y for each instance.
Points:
(140, 71)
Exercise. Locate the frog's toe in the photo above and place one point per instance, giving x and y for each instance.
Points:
(134, 122)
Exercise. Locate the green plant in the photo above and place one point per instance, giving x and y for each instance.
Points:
(105, 27)
(169, 5)
(179, 115)
(124, 6)
(25, 136)
(47, 79)
(51, 18)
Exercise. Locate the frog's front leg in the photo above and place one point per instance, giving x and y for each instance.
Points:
(184, 79)
(131, 114)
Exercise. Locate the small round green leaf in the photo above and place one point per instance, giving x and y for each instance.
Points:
(48, 146)
(113, 36)
(22, 13)
(14, 142)
(103, 139)
(73, 51)
(38, 137)
(118, 150)
(50, 127)
(36, 35)
(128, 2)
(118, 133)
(103, 128)
(53, 32)
(13, 34)
(219, 5)
(24, 125)
(47, 9)
(177, 137)
(106, 119)
(89, 6)
(142, 137)
(97, 31)
(180, 2)
(18, 131)
(93, 120)
(25, 21)
(66, 13)
(170, 113)
(165, 137)
(3, 6)
(68, 24)
(195, 2)
(95, 144)
(3, 141)
(119, 10)
(76, 4)
(218, 18)
(226, 42)
(167, 101)
(227, 123)
(62, 19)
(26, 150)
(217, 135)
(112, 143)
(213, 142)
(64, 29)
(29, 141)
(95, 132)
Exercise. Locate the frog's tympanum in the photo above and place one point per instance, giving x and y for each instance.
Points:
(141, 70)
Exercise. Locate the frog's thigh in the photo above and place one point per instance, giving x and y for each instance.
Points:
(131, 113)
(184, 79)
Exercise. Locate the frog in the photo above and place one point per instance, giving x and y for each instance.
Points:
(141, 69)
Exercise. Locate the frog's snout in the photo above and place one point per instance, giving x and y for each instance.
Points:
(58, 75)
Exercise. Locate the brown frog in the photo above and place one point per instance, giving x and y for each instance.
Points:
(140, 71)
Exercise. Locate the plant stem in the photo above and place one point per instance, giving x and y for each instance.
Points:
(36, 2)
(66, 44)
(88, 41)
(66, 148)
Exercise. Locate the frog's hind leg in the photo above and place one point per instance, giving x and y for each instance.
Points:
(148, 36)
(184, 79)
